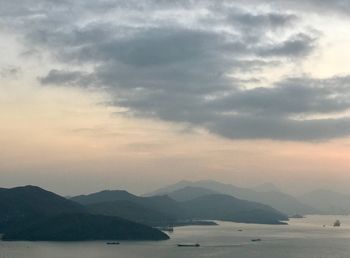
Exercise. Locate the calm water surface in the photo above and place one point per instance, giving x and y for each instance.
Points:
(305, 238)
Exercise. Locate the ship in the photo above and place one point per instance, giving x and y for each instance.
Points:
(336, 223)
(188, 245)
(256, 240)
(112, 243)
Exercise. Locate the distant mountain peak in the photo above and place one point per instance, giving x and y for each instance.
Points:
(270, 195)
(328, 201)
(190, 192)
(103, 196)
(28, 187)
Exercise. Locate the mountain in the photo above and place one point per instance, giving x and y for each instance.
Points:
(30, 202)
(193, 203)
(32, 213)
(172, 188)
(159, 203)
(80, 227)
(282, 202)
(228, 208)
(127, 205)
(328, 202)
(132, 211)
(103, 196)
(189, 193)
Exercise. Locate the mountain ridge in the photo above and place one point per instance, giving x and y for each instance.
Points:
(283, 202)
(32, 213)
(180, 211)
(328, 202)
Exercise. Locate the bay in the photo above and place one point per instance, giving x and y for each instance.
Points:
(310, 237)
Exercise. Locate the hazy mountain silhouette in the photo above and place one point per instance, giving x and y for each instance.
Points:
(173, 187)
(328, 202)
(142, 209)
(32, 213)
(189, 193)
(282, 202)
(160, 203)
(228, 208)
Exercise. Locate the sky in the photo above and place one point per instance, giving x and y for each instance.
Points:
(130, 94)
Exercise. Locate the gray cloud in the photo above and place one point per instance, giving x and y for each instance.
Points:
(337, 6)
(264, 20)
(190, 69)
(246, 127)
(258, 113)
(290, 97)
(9, 71)
(297, 45)
(61, 77)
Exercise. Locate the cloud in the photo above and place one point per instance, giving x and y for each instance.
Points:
(62, 77)
(190, 62)
(296, 46)
(9, 71)
(336, 6)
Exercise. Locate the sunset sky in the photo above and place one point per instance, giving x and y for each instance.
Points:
(130, 94)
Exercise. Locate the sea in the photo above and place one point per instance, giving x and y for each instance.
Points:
(310, 237)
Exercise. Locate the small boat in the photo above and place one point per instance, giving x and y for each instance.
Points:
(188, 245)
(112, 243)
(256, 240)
(240, 230)
(336, 223)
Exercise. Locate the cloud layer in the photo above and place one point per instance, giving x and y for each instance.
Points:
(193, 62)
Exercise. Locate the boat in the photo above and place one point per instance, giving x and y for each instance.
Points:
(112, 243)
(336, 223)
(188, 245)
(256, 240)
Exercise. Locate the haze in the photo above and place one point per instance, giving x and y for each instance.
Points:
(139, 94)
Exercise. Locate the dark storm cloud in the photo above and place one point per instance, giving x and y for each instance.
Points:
(186, 68)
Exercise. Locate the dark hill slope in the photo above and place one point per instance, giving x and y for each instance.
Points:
(32, 213)
(228, 208)
(132, 211)
(161, 204)
(30, 202)
(159, 209)
(80, 227)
